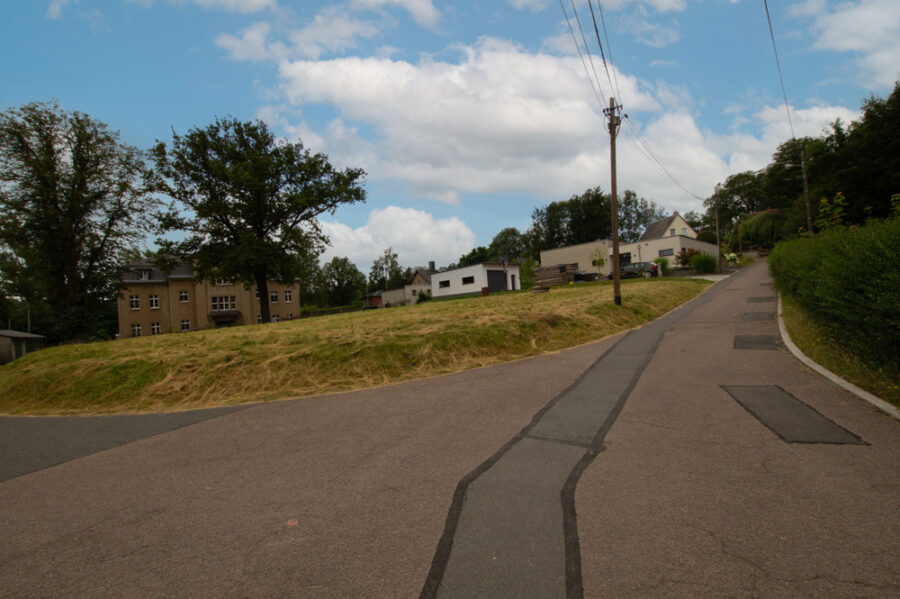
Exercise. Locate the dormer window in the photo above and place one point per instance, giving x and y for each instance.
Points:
(672, 232)
(144, 274)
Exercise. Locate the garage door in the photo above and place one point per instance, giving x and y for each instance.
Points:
(496, 280)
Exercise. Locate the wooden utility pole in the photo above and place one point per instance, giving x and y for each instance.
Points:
(613, 130)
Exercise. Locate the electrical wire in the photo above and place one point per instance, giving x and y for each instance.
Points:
(580, 55)
(618, 100)
(778, 63)
(609, 49)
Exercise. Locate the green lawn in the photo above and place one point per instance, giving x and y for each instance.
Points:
(815, 342)
(326, 354)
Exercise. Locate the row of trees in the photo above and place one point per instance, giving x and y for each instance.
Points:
(76, 203)
(852, 172)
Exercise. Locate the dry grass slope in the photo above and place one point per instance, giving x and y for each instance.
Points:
(326, 354)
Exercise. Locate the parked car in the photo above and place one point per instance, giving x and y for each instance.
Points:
(582, 276)
(637, 269)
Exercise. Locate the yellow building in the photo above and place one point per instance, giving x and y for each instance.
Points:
(153, 302)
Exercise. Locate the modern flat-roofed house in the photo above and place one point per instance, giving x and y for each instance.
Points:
(152, 301)
(468, 280)
(663, 238)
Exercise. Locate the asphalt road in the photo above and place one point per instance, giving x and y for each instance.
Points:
(690, 488)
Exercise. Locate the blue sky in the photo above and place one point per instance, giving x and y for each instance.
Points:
(466, 115)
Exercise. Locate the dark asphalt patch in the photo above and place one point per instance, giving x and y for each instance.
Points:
(790, 418)
(29, 444)
(758, 316)
(761, 299)
(757, 342)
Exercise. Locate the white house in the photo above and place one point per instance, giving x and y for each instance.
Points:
(472, 279)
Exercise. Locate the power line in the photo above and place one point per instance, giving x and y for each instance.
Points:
(609, 48)
(778, 63)
(600, 43)
(580, 55)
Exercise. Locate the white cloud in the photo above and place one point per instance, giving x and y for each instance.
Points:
(251, 45)
(869, 28)
(532, 5)
(416, 236)
(245, 6)
(422, 11)
(500, 121)
(55, 9)
(647, 32)
(333, 30)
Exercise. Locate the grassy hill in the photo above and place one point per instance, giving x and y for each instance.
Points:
(326, 354)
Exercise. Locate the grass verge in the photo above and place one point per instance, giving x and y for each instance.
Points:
(814, 341)
(326, 354)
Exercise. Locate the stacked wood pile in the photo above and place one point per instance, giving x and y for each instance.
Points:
(548, 276)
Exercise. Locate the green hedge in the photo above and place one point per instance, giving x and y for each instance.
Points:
(704, 263)
(848, 280)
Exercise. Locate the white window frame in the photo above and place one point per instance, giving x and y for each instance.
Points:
(183, 296)
(153, 301)
(273, 297)
(185, 325)
(155, 329)
(134, 302)
(135, 329)
(288, 296)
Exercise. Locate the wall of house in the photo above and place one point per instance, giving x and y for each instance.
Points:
(680, 227)
(665, 247)
(581, 255)
(453, 279)
(171, 311)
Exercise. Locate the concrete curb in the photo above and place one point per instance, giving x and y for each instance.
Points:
(846, 385)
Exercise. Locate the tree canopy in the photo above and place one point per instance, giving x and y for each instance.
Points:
(248, 201)
(72, 202)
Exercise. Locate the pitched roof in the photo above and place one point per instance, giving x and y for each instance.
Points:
(658, 229)
(19, 334)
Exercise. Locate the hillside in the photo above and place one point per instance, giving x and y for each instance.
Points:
(326, 354)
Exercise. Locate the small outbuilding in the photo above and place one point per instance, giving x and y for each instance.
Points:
(15, 344)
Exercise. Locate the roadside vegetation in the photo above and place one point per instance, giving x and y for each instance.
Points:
(327, 354)
(845, 287)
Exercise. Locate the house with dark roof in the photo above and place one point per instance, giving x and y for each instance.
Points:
(664, 238)
(15, 344)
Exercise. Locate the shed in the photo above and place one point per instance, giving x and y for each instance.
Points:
(15, 344)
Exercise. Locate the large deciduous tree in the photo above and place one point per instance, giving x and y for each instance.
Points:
(343, 282)
(249, 202)
(72, 202)
(386, 272)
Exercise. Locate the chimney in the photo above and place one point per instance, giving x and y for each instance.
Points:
(431, 266)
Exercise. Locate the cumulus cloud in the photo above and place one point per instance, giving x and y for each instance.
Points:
(416, 236)
(244, 6)
(55, 9)
(422, 11)
(532, 5)
(333, 30)
(501, 120)
(868, 28)
(251, 45)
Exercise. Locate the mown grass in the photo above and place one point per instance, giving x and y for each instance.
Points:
(333, 353)
(814, 341)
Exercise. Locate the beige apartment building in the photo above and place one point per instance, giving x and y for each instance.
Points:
(153, 302)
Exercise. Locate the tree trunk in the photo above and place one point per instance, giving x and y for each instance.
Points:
(262, 285)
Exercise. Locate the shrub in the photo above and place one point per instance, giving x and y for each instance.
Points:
(704, 263)
(664, 265)
(423, 296)
(846, 279)
(685, 256)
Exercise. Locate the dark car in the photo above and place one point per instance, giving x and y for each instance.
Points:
(638, 269)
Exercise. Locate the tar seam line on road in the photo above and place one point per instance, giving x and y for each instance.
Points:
(573, 579)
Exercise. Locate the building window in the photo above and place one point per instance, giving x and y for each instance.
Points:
(183, 297)
(154, 328)
(684, 231)
(185, 325)
(224, 302)
(135, 330)
(468, 280)
(257, 295)
(290, 316)
(223, 282)
(135, 302)
(274, 318)
(273, 297)
(288, 296)
(144, 275)
(672, 232)
(443, 284)
(154, 302)
(667, 252)
(259, 319)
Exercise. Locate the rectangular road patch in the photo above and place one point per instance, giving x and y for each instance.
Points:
(757, 342)
(761, 299)
(788, 417)
(758, 316)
